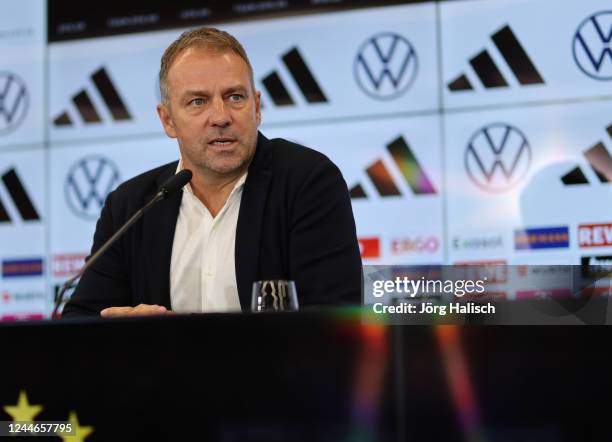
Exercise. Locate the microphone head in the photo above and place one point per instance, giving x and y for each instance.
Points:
(175, 182)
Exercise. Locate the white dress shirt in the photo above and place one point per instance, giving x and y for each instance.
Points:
(202, 270)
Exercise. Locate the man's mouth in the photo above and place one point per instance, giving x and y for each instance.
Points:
(221, 141)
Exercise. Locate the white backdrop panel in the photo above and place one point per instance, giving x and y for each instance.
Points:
(22, 236)
(408, 226)
(547, 34)
(22, 54)
(558, 137)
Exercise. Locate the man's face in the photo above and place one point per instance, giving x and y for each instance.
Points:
(212, 110)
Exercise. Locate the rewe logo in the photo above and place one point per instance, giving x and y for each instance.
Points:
(303, 78)
(497, 157)
(386, 65)
(489, 73)
(20, 199)
(85, 107)
(13, 102)
(600, 161)
(413, 173)
(88, 183)
(595, 235)
(592, 47)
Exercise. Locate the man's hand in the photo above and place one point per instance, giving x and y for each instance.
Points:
(139, 310)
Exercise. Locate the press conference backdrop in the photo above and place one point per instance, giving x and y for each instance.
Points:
(466, 130)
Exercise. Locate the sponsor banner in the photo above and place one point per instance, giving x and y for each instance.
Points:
(595, 235)
(544, 271)
(22, 267)
(369, 247)
(22, 51)
(509, 168)
(21, 297)
(419, 244)
(81, 179)
(475, 243)
(504, 57)
(9, 297)
(67, 264)
(392, 170)
(543, 294)
(22, 317)
(541, 238)
(108, 86)
(493, 271)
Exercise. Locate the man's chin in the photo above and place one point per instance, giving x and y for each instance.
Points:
(226, 168)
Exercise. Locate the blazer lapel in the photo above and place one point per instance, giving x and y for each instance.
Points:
(248, 230)
(159, 225)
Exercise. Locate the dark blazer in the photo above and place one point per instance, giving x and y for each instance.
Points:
(295, 222)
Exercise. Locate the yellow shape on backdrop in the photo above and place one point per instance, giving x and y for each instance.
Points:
(80, 433)
(23, 411)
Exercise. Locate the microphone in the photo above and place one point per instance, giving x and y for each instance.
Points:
(167, 189)
(174, 183)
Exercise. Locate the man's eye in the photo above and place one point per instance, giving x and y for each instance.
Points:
(236, 97)
(197, 102)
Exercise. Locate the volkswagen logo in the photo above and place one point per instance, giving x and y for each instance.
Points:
(88, 183)
(498, 156)
(13, 102)
(592, 46)
(386, 66)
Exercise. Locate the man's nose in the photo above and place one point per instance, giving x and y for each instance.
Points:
(219, 113)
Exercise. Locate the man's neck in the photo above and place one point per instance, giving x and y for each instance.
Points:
(213, 191)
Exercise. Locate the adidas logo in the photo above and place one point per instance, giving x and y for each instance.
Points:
(303, 78)
(20, 199)
(600, 161)
(488, 72)
(411, 170)
(85, 106)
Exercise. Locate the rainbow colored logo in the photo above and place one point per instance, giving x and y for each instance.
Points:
(404, 158)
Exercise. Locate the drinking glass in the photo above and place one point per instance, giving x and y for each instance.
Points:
(276, 295)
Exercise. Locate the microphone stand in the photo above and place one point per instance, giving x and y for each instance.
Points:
(171, 185)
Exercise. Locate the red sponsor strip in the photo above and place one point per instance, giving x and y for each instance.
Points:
(23, 317)
(369, 247)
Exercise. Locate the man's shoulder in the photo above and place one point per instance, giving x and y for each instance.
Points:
(145, 184)
(291, 157)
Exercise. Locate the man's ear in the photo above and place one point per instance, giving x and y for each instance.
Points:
(258, 107)
(166, 120)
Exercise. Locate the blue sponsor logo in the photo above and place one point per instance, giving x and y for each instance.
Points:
(386, 66)
(88, 183)
(22, 267)
(592, 46)
(541, 238)
(497, 157)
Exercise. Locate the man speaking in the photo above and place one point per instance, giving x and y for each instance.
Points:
(255, 209)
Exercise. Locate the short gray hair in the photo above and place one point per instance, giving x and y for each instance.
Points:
(208, 38)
